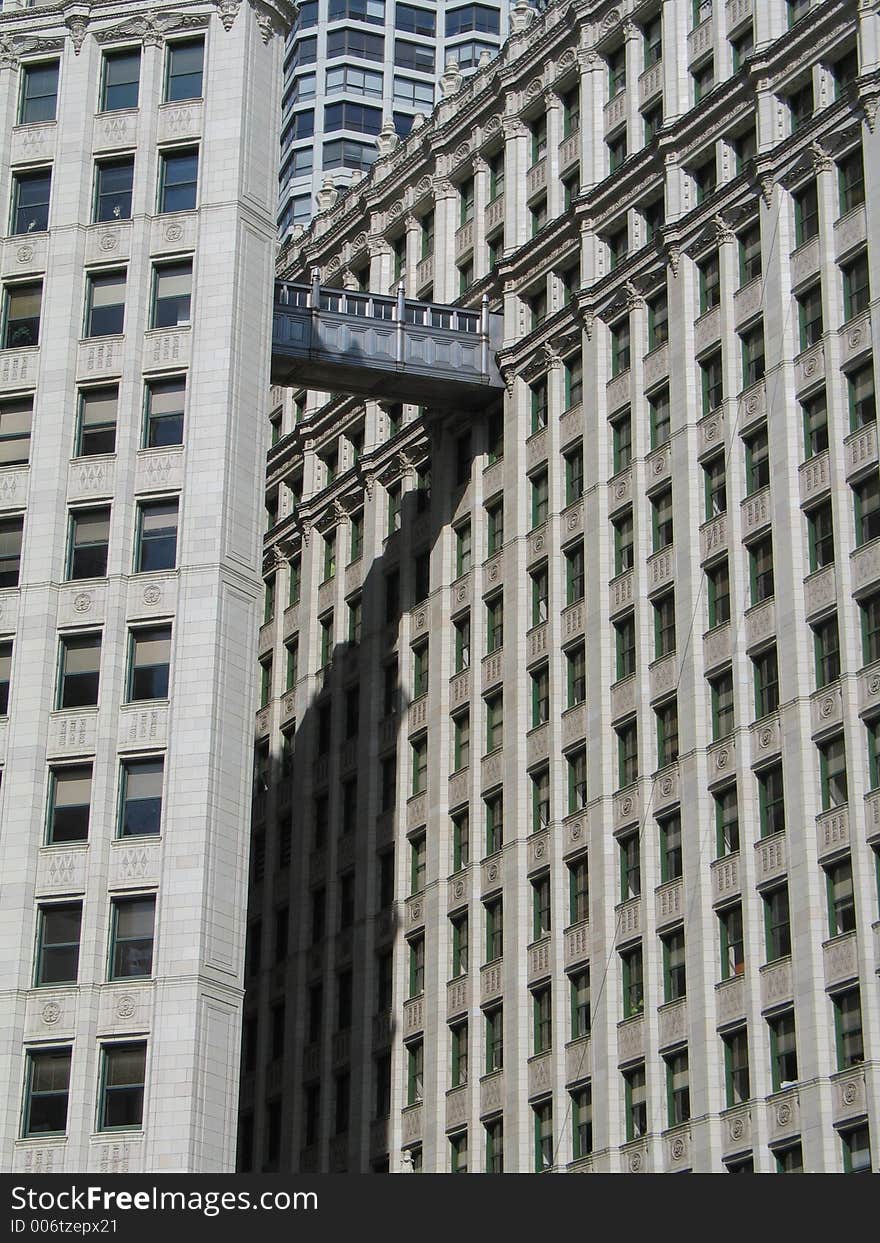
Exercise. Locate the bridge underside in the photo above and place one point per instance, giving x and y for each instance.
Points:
(393, 383)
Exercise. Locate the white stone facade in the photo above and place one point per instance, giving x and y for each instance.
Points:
(616, 311)
(64, 114)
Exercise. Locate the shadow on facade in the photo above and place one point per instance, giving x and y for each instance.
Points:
(330, 868)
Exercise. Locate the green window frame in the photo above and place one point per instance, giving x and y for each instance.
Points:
(771, 800)
(671, 859)
(826, 643)
(461, 835)
(635, 1102)
(418, 861)
(419, 765)
(726, 821)
(761, 575)
(730, 923)
(736, 1067)
(766, 672)
(658, 321)
(121, 1091)
(810, 316)
(851, 181)
(494, 722)
(848, 1035)
(752, 345)
(777, 923)
(420, 669)
(579, 988)
(806, 214)
(494, 824)
(860, 396)
(581, 1122)
(856, 1144)
(712, 382)
(664, 625)
(625, 646)
(866, 506)
(678, 1094)
(494, 1129)
(459, 1050)
(624, 551)
(69, 803)
(542, 1012)
(414, 1072)
(632, 977)
(709, 270)
(841, 897)
(540, 498)
(494, 1039)
(630, 866)
(833, 774)
(47, 1092)
(723, 707)
(667, 733)
(578, 891)
(856, 286)
(621, 439)
(59, 930)
(461, 741)
(540, 785)
(662, 528)
(459, 945)
(543, 1136)
(132, 921)
(620, 347)
(541, 910)
(660, 417)
(573, 377)
(627, 754)
(749, 248)
(416, 966)
(576, 774)
(462, 629)
(674, 966)
(575, 577)
(783, 1049)
(869, 610)
(574, 474)
(576, 675)
(494, 526)
(718, 580)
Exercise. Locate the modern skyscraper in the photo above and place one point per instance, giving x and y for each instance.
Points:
(567, 820)
(138, 171)
(352, 66)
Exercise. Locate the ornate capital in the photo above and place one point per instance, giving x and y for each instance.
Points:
(227, 10)
(8, 54)
(77, 24)
(635, 299)
(819, 158)
(552, 359)
(723, 231)
(673, 255)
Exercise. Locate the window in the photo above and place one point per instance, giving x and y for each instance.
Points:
(70, 791)
(576, 675)
(345, 152)
(810, 316)
(732, 948)
(105, 304)
(635, 1102)
(750, 254)
(856, 287)
(722, 705)
(664, 625)
(5, 674)
(752, 343)
(621, 433)
(540, 685)
(119, 84)
(329, 559)
(149, 660)
(718, 578)
(705, 179)
(416, 966)
(678, 1088)
(183, 70)
(776, 923)
(827, 649)
(870, 610)
(674, 976)
(461, 742)
(616, 71)
(47, 1087)
(30, 201)
(761, 570)
(620, 347)
(156, 547)
(654, 213)
(576, 765)
(419, 765)
(623, 543)
(736, 1066)
(727, 821)
(704, 79)
(96, 424)
(573, 376)
(744, 145)
(350, 116)
(801, 106)
(39, 93)
(494, 1146)
(540, 782)
(618, 247)
(625, 646)
(630, 867)
(860, 390)
(661, 516)
(178, 178)
(574, 574)
(459, 946)
(494, 1037)
(172, 294)
(848, 1028)
(113, 188)
(574, 474)
(543, 1136)
(462, 629)
(121, 1100)
(418, 847)
(832, 764)
(658, 323)
(140, 797)
(715, 477)
(10, 551)
(80, 658)
(856, 1150)
(757, 462)
(667, 733)
(494, 722)
(627, 754)
(789, 1160)
(407, 55)
(806, 214)
(21, 315)
(766, 682)
(841, 900)
(771, 800)
(494, 624)
(710, 282)
(712, 379)
(540, 498)
(539, 394)
(58, 943)
(783, 1050)
(660, 417)
(653, 119)
(866, 496)
(815, 412)
(670, 848)
(851, 181)
(131, 937)
(543, 1019)
(494, 824)
(460, 840)
(88, 538)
